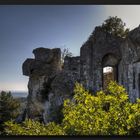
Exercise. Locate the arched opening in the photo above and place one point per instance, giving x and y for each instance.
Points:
(109, 69)
(108, 75)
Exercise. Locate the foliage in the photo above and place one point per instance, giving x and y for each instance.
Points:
(30, 127)
(9, 107)
(107, 112)
(115, 26)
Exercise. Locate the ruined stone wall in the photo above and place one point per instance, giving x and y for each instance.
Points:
(49, 85)
(129, 65)
(92, 53)
(86, 64)
(72, 65)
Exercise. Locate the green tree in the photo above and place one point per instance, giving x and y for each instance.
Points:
(115, 26)
(8, 107)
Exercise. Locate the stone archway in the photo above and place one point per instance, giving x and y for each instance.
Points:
(109, 69)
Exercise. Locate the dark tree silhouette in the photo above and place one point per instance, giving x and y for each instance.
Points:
(115, 26)
(8, 108)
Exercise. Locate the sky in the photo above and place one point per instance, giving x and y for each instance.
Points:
(26, 27)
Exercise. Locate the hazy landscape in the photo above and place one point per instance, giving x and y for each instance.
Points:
(19, 94)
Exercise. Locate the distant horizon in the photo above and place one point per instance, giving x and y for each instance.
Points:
(15, 91)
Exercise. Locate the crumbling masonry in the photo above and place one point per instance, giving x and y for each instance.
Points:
(49, 85)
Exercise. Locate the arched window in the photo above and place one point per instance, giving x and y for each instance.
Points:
(108, 75)
(109, 69)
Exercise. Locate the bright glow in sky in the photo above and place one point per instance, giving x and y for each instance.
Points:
(26, 27)
(128, 13)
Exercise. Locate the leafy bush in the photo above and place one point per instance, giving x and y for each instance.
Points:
(106, 113)
(30, 127)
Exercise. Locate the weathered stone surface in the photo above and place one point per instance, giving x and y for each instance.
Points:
(40, 70)
(129, 65)
(48, 55)
(72, 66)
(49, 85)
(61, 88)
(56, 89)
(92, 55)
(26, 67)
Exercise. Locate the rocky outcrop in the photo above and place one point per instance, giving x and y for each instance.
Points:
(48, 84)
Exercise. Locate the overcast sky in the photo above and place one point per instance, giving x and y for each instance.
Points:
(26, 27)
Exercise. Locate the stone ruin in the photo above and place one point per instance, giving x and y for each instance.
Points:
(50, 84)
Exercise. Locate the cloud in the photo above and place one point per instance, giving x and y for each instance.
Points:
(128, 13)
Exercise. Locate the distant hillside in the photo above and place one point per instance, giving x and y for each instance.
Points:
(19, 94)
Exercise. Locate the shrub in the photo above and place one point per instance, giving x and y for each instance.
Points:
(107, 113)
(31, 127)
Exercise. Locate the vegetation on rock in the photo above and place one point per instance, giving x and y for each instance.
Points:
(106, 113)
